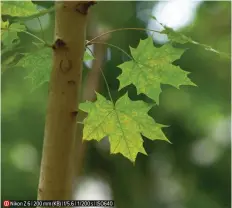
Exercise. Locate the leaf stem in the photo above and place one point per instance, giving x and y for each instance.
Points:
(120, 29)
(114, 46)
(107, 86)
(41, 28)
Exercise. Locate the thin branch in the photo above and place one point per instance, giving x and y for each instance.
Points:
(107, 86)
(114, 46)
(120, 29)
(206, 47)
(41, 28)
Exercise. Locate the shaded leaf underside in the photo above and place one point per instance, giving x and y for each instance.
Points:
(39, 64)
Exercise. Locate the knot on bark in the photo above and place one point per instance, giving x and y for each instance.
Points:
(59, 43)
(83, 7)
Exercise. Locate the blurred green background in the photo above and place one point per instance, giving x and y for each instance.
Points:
(193, 171)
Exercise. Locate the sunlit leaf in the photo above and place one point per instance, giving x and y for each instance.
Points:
(123, 123)
(18, 8)
(151, 67)
(9, 33)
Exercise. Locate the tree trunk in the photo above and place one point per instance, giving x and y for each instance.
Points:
(57, 168)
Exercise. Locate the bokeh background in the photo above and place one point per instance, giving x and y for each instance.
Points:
(193, 171)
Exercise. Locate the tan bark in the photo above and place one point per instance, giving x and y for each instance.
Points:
(56, 176)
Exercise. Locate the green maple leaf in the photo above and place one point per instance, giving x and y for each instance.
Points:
(9, 33)
(123, 123)
(39, 64)
(151, 67)
(175, 36)
(18, 8)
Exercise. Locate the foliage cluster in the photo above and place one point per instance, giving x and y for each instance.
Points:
(123, 121)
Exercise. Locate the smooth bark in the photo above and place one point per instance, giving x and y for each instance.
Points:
(57, 166)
